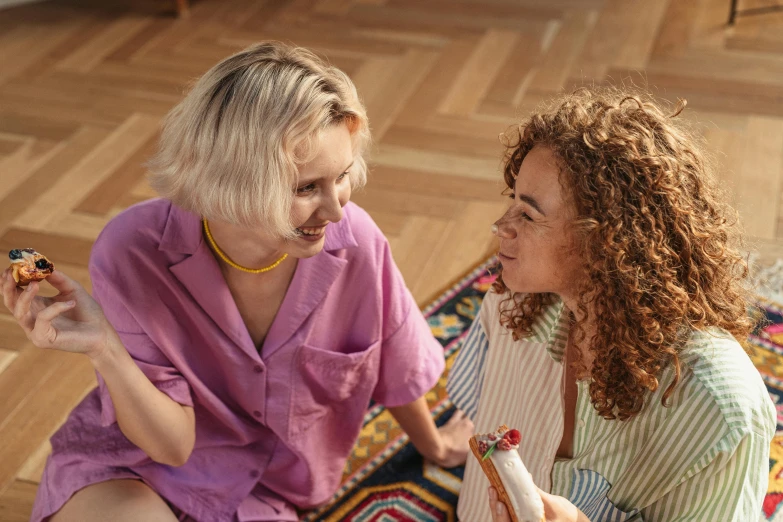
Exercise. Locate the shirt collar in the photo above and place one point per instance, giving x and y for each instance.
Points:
(551, 327)
(339, 235)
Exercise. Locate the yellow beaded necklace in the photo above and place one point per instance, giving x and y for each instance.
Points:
(225, 258)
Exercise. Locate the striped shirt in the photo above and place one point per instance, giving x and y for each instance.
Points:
(703, 458)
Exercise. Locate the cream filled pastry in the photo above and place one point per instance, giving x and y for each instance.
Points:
(27, 265)
(497, 453)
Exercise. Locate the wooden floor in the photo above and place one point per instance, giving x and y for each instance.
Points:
(83, 89)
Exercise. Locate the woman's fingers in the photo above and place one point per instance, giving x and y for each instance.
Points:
(50, 312)
(461, 419)
(38, 315)
(10, 292)
(497, 508)
(21, 309)
(43, 334)
(62, 283)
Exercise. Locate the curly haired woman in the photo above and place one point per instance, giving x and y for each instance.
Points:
(609, 338)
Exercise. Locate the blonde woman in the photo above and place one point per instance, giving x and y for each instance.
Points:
(242, 322)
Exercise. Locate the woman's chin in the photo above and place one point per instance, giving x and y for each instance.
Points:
(518, 286)
(304, 247)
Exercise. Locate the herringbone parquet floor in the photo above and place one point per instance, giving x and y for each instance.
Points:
(84, 85)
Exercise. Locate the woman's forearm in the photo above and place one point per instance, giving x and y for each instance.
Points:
(161, 427)
(416, 420)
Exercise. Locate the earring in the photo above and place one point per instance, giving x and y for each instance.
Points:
(494, 229)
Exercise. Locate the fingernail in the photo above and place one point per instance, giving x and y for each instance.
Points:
(492, 494)
(70, 303)
(499, 509)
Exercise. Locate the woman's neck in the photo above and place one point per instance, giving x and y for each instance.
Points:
(244, 247)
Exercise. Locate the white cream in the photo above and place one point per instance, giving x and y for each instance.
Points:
(27, 258)
(519, 485)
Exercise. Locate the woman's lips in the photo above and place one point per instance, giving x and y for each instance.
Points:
(312, 239)
(306, 233)
(504, 257)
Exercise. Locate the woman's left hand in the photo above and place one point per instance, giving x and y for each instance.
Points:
(497, 508)
(556, 509)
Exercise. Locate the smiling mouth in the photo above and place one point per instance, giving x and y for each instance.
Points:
(311, 231)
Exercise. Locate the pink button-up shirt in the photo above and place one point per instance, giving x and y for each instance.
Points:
(273, 428)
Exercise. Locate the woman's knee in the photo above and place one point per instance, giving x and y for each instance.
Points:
(116, 500)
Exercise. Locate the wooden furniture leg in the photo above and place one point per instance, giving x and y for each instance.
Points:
(183, 8)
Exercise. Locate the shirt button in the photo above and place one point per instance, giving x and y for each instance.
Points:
(257, 414)
(258, 369)
(581, 423)
(254, 474)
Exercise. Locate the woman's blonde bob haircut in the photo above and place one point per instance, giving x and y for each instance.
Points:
(231, 150)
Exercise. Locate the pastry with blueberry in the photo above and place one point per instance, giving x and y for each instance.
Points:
(27, 266)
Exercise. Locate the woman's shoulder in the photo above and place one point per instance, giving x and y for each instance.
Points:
(134, 232)
(140, 219)
(724, 376)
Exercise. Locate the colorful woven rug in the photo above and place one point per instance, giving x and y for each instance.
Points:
(765, 347)
(386, 480)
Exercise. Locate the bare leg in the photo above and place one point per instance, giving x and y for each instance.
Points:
(115, 500)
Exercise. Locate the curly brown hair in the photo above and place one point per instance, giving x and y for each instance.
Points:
(660, 247)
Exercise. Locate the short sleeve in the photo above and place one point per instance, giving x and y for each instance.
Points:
(729, 486)
(467, 375)
(147, 356)
(412, 360)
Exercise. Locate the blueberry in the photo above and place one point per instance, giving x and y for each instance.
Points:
(42, 264)
(15, 254)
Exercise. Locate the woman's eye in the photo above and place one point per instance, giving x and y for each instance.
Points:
(341, 176)
(306, 189)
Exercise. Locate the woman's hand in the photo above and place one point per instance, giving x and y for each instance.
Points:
(556, 509)
(71, 321)
(446, 446)
(497, 508)
(455, 436)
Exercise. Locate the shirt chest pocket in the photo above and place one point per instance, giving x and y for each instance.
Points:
(326, 382)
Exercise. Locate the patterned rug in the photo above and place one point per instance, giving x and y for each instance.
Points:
(765, 347)
(386, 480)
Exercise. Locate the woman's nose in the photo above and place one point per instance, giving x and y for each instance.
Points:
(503, 229)
(332, 207)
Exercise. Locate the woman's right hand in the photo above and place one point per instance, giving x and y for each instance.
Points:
(74, 322)
(71, 321)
